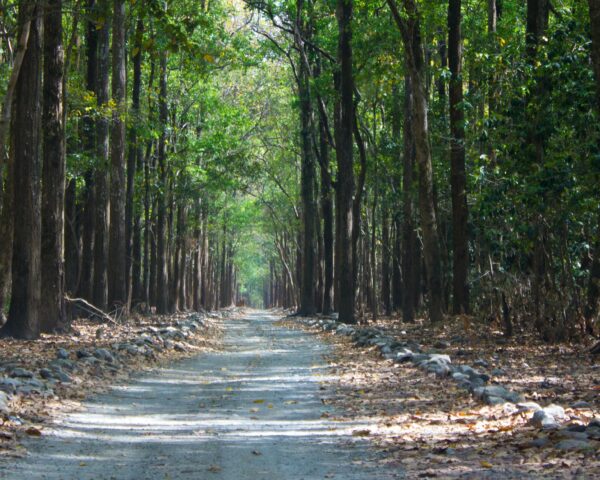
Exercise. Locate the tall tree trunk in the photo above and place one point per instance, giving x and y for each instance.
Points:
(117, 270)
(413, 46)
(344, 144)
(327, 214)
(410, 261)
(458, 176)
(23, 315)
(134, 156)
(386, 249)
(88, 221)
(162, 282)
(72, 243)
(307, 287)
(53, 175)
(100, 282)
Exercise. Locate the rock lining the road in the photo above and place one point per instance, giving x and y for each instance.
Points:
(17, 381)
(551, 418)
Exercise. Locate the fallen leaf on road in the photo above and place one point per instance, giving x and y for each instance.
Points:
(34, 432)
(214, 469)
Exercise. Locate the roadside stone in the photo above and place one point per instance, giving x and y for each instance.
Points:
(61, 363)
(21, 373)
(480, 362)
(570, 445)
(62, 354)
(9, 385)
(104, 354)
(569, 434)
(539, 442)
(528, 407)
(83, 353)
(581, 405)
(442, 345)
(498, 372)
(495, 400)
(46, 373)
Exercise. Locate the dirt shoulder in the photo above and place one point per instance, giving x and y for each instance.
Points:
(432, 427)
(43, 378)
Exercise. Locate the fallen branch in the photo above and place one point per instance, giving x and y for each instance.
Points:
(91, 310)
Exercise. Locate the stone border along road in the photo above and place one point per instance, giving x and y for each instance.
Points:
(550, 418)
(254, 411)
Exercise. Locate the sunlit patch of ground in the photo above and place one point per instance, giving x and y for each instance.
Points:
(431, 428)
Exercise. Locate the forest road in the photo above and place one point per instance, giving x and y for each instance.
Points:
(252, 411)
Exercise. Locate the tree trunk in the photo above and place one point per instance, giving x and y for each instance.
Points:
(53, 174)
(327, 214)
(344, 143)
(100, 280)
(134, 156)
(386, 249)
(415, 63)
(458, 177)
(162, 282)
(117, 270)
(307, 289)
(23, 316)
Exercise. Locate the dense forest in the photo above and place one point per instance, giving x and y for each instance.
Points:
(419, 158)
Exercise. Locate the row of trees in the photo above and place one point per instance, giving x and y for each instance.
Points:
(457, 141)
(411, 157)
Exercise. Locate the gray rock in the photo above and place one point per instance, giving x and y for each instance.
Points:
(595, 422)
(83, 353)
(62, 353)
(593, 432)
(556, 411)
(528, 407)
(9, 385)
(574, 445)
(498, 372)
(548, 418)
(61, 363)
(89, 360)
(46, 373)
(459, 377)
(385, 349)
(581, 404)
(577, 427)
(491, 400)
(480, 362)
(404, 355)
(104, 354)
(568, 434)
(539, 442)
(62, 376)
(442, 345)
(21, 373)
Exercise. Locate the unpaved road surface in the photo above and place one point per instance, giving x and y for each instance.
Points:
(253, 411)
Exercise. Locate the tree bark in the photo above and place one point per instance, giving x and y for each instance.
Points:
(100, 279)
(415, 63)
(458, 176)
(344, 144)
(23, 316)
(118, 241)
(162, 305)
(53, 173)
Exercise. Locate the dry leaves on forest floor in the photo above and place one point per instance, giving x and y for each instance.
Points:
(29, 414)
(432, 429)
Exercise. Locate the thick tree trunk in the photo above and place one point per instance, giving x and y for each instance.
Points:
(327, 214)
(162, 283)
(307, 289)
(72, 243)
(344, 144)
(88, 221)
(410, 261)
(386, 249)
(53, 176)
(23, 316)
(117, 270)
(415, 62)
(134, 156)
(458, 177)
(100, 280)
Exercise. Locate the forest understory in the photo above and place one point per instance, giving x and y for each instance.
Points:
(432, 428)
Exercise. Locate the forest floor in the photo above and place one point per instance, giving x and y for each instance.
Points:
(431, 428)
(40, 379)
